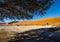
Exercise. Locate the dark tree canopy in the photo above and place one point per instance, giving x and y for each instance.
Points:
(23, 9)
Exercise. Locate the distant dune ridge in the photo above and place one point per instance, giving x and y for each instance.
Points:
(46, 21)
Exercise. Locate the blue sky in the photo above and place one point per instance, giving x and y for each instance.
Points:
(54, 11)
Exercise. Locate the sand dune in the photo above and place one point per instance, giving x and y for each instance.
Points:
(46, 21)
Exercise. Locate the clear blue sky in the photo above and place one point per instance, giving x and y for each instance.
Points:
(54, 11)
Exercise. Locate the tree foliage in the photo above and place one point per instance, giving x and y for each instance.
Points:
(23, 9)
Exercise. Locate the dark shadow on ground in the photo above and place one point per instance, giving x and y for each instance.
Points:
(38, 35)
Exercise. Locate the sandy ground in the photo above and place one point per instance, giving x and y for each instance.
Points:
(23, 28)
(6, 32)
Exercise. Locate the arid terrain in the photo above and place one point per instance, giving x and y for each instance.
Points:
(45, 21)
(44, 30)
(30, 35)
